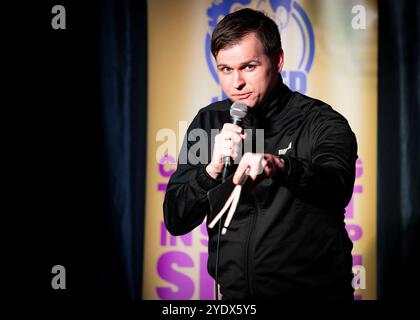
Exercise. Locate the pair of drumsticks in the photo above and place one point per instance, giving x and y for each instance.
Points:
(232, 201)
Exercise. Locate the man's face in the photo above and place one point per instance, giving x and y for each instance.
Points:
(246, 73)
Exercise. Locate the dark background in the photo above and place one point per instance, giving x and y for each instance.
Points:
(81, 129)
(87, 141)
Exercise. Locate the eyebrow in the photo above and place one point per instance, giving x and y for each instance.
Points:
(243, 64)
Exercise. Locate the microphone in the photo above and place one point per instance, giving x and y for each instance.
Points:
(238, 111)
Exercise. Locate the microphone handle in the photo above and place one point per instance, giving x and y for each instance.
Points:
(228, 160)
(237, 121)
(226, 169)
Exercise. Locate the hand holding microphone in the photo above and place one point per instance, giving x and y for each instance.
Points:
(226, 144)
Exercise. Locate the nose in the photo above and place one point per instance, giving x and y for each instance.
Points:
(238, 80)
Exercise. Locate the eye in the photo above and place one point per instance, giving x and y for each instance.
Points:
(225, 69)
(250, 67)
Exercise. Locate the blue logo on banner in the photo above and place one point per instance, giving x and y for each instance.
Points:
(287, 14)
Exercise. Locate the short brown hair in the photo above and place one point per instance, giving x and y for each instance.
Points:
(233, 27)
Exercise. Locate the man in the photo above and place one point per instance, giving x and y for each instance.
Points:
(287, 238)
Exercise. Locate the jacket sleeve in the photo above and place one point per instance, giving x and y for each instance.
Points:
(186, 204)
(327, 178)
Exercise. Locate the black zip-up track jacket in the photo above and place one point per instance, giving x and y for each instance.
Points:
(287, 238)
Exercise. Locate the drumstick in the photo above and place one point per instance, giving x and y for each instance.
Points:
(237, 195)
(221, 212)
(231, 199)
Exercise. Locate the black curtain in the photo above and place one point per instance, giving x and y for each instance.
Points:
(87, 103)
(399, 150)
(122, 77)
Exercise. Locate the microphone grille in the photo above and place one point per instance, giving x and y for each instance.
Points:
(238, 110)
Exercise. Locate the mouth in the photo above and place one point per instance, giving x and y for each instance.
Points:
(242, 96)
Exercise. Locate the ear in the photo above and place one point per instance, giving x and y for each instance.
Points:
(280, 61)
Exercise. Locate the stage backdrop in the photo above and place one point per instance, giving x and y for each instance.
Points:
(330, 53)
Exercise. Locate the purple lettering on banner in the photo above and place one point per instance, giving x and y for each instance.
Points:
(354, 231)
(358, 189)
(359, 168)
(166, 272)
(163, 172)
(186, 239)
(205, 240)
(206, 281)
(350, 207)
(162, 187)
(164, 234)
(357, 260)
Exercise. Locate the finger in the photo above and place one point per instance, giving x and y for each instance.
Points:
(244, 177)
(242, 167)
(229, 149)
(266, 167)
(226, 144)
(235, 152)
(226, 152)
(263, 162)
(270, 167)
(232, 127)
(219, 137)
(255, 167)
(267, 171)
(230, 135)
(236, 137)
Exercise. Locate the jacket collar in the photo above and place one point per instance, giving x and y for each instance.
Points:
(274, 103)
(263, 116)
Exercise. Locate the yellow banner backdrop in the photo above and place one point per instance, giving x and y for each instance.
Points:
(330, 54)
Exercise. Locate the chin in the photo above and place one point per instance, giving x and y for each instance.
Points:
(250, 104)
